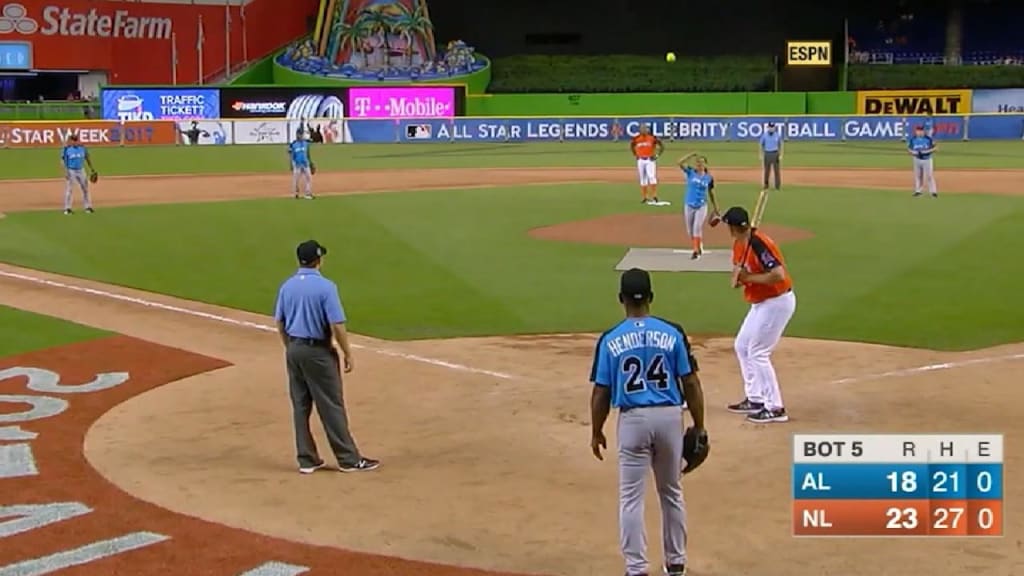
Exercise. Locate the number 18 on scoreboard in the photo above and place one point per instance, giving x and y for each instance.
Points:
(898, 485)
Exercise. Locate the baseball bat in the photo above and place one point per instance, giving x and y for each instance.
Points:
(755, 221)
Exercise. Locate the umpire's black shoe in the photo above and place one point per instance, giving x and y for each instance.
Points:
(68, 211)
(675, 570)
(89, 210)
(364, 465)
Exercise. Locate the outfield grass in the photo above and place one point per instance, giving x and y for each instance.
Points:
(43, 163)
(25, 332)
(882, 267)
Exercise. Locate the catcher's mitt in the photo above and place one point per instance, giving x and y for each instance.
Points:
(715, 219)
(312, 168)
(94, 177)
(695, 449)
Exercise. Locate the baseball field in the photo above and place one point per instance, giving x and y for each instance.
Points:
(476, 278)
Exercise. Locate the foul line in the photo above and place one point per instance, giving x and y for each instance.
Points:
(244, 323)
(930, 368)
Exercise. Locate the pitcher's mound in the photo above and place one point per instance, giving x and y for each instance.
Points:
(651, 231)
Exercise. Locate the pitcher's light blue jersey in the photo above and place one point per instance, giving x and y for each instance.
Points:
(640, 359)
(299, 151)
(73, 156)
(697, 186)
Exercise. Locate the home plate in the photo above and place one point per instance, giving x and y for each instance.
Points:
(675, 260)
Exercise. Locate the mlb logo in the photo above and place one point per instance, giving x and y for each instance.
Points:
(418, 132)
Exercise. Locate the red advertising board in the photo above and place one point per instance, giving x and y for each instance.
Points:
(136, 42)
(90, 133)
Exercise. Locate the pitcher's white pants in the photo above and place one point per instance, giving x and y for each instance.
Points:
(647, 169)
(758, 336)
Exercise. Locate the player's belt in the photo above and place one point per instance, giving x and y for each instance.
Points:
(310, 341)
(659, 405)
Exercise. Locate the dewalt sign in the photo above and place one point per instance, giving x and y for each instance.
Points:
(913, 102)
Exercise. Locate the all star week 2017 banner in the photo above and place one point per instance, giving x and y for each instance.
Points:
(340, 130)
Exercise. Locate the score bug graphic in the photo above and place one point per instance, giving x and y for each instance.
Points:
(898, 485)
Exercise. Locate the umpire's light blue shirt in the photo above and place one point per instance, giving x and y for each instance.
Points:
(770, 141)
(308, 304)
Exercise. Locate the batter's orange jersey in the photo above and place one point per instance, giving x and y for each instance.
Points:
(764, 255)
(643, 145)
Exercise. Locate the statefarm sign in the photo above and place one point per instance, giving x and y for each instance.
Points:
(63, 21)
(151, 42)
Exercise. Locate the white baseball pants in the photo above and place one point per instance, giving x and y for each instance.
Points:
(302, 174)
(72, 177)
(924, 174)
(695, 218)
(758, 336)
(647, 169)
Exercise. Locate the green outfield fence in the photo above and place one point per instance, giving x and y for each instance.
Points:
(55, 110)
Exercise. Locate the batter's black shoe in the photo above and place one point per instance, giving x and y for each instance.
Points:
(767, 416)
(89, 210)
(916, 194)
(68, 211)
(675, 570)
(935, 195)
(745, 407)
(364, 465)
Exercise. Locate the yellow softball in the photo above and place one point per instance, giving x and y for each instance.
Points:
(670, 57)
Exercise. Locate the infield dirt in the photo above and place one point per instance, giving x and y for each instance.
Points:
(490, 470)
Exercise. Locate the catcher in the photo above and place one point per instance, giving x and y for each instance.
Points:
(302, 164)
(74, 157)
(700, 186)
(644, 366)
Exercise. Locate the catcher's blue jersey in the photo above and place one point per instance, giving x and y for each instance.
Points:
(641, 360)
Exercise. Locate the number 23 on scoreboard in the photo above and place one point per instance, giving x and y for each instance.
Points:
(948, 520)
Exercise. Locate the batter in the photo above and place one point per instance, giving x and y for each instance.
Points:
(767, 286)
(646, 148)
(700, 187)
(644, 367)
(921, 147)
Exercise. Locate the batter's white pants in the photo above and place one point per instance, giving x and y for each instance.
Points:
(758, 336)
(647, 169)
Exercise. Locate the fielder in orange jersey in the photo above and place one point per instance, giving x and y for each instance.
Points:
(768, 287)
(646, 148)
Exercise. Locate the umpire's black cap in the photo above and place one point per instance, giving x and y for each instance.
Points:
(309, 252)
(736, 216)
(635, 285)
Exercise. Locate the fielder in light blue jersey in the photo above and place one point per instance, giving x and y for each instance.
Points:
(302, 164)
(74, 157)
(921, 147)
(644, 367)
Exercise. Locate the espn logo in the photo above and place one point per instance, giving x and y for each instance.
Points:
(419, 132)
(816, 53)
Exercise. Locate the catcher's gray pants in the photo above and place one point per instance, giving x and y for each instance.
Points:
(302, 174)
(651, 437)
(313, 378)
(72, 177)
(695, 218)
(924, 173)
(771, 162)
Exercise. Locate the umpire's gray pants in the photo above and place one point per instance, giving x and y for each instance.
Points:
(771, 162)
(314, 378)
(651, 438)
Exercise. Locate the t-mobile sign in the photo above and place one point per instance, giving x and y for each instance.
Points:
(425, 102)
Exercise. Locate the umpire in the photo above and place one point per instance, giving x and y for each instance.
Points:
(771, 154)
(309, 313)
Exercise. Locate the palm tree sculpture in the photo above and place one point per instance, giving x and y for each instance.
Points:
(379, 23)
(424, 28)
(343, 37)
(403, 26)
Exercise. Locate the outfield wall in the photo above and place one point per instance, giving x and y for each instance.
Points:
(507, 129)
(713, 103)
